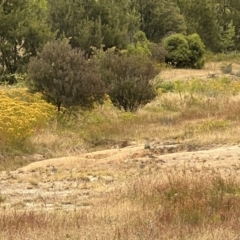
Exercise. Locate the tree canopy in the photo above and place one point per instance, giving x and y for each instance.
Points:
(65, 77)
(159, 18)
(23, 30)
(26, 25)
(128, 77)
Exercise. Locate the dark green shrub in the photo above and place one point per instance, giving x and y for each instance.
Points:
(178, 50)
(65, 77)
(197, 50)
(128, 79)
(184, 51)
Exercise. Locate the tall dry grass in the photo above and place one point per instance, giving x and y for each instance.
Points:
(179, 204)
(200, 111)
(175, 205)
(203, 111)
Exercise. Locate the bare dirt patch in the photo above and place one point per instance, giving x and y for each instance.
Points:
(78, 182)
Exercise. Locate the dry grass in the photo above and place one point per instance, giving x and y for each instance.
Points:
(176, 204)
(191, 112)
(201, 119)
(210, 69)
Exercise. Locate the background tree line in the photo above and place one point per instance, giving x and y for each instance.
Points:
(176, 31)
(26, 25)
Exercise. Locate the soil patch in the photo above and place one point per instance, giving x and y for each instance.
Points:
(77, 182)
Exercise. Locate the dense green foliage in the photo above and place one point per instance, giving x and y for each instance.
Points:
(216, 22)
(159, 18)
(26, 25)
(23, 30)
(65, 77)
(142, 46)
(128, 79)
(93, 23)
(184, 51)
(146, 31)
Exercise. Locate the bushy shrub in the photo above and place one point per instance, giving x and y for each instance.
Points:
(139, 46)
(197, 50)
(128, 79)
(184, 51)
(139, 49)
(178, 50)
(65, 77)
(21, 114)
(142, 46)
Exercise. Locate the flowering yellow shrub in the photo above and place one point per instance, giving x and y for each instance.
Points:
(21, 114)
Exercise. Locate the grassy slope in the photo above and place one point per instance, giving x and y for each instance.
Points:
(148, 206)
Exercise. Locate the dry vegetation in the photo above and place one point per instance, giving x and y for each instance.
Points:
(177, 205)
(98, 196)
